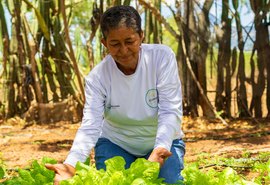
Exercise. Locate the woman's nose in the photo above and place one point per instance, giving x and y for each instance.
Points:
(123, 49)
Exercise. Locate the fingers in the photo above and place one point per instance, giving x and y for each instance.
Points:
(51, 167)
(159, 155)
(57, 179)
(62, 172)
(166, 154)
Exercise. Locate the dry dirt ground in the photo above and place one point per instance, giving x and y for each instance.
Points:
(20, 143)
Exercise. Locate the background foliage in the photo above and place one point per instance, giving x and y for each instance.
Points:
(48, 46)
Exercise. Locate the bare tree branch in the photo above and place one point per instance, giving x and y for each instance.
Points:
(159, 17)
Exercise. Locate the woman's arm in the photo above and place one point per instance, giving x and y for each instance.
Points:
(90, 129)
(88, 133)
(169, 107)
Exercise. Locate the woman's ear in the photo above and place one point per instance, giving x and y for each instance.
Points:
(103, 41)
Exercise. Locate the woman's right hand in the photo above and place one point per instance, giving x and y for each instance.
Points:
(62, 171)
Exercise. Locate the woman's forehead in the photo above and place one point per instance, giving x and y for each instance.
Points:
(121, 31)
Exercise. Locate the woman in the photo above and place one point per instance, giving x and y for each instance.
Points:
(133, 102)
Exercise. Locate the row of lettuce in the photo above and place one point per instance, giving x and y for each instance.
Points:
(143, 172)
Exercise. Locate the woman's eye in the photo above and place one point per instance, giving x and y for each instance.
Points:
(114, 45)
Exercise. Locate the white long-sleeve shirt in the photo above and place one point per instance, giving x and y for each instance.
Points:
(138, 112)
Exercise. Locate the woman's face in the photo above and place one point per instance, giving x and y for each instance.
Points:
(124, 45)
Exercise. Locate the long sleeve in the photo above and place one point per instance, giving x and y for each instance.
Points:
(90, 129)
(170, 102)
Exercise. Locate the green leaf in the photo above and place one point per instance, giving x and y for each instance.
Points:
(81, 166)
(152, 170)
(41, 173)
(87, 161)
(117, 178)
(48, 160)
(115, 164)
(228, 176)
(25, 175)
(41, 20)
(73, 181)
(139, 181)
(193, 176)
(2, 172)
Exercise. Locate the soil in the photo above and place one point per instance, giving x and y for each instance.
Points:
(21, 142)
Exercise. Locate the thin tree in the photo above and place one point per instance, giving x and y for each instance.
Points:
(203, 41)
(223, 88)
(260, 9)
(241, 76)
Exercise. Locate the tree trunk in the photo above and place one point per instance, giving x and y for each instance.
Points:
(241, 76)
(189, 30)
(203, 36)
(181, 59)
(23, 85)
(148, 25)
(268, 87)
(156, 24)
(11, 109)
(5, 59)
(19, 96)
(94, 22)
(224, 52)
(263, 55)
(35, 73)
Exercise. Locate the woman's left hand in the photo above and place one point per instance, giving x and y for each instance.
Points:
(159, 155)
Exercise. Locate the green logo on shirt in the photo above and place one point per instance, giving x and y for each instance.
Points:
(151, 98)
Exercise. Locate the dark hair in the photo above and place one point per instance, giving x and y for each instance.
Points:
(120, 16)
